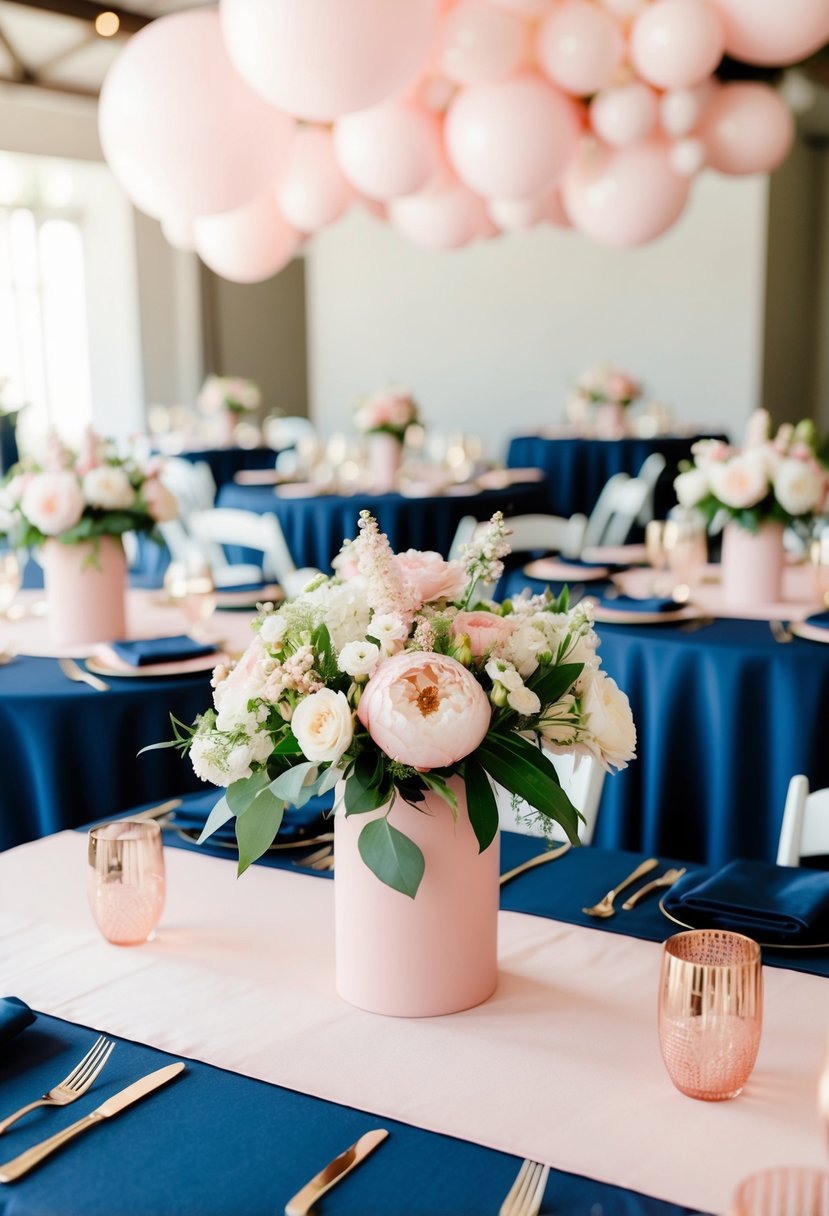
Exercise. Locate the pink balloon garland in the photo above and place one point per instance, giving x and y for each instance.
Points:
(452, 120)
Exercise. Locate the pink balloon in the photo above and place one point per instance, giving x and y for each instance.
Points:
(687, 156)
(513, 214)
(249, 244)
(181, 131)
(313, 192)
(681, 109)
(388, 151)
(625, 114)
(554, 212)
(178, 232)
(746, 129)
(440, 218)
(527, 8)
(774, 32)
(580, 47)
(624, 196)
(481, 43)
(323, 58)
(513, 139)
(677, 43)
(625, 11)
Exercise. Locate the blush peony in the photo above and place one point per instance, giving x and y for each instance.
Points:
(485, 630)
(424, 710)
(431, 576)
(53, 502)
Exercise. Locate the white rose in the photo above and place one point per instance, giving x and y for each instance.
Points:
(609, 721)
(524, 701)
(798, 486)
(273, 628)
(108, 487)
(739, 482)
(359, 659)
(323, 725)
(691, 487)
(53, 502)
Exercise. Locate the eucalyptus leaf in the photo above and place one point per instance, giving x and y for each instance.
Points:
(296, 785)
(217, 818)
(359, 799)
(480, 803)
(392, 857)
(240, 794)
(328, 779)
(257, 827)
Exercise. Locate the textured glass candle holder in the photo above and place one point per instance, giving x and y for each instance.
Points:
(125, 880)
(710, 1012)
(786, 1191)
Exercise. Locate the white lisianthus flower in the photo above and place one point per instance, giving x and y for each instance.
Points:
(390, 631)
(108, 487)
(504, 673)
(273, 628)
(53, 502)
(691, 487)
(359, 659)
(798, 486)
(524, 701)
(612, 734)
(740, 482)
(323, 726)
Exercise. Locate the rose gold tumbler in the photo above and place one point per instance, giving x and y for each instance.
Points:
(125, 880)
(710, 1012)
(789, 1190)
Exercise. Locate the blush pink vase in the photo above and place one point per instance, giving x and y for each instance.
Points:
(611, 420)
(385, 455)
(436, 953)
(85, 590)
(752, 565)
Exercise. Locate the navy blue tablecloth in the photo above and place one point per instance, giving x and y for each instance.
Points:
(225, 463)
(213, 1143)
(68, 754)
(315, 528)
(577, 469)
(8, 442)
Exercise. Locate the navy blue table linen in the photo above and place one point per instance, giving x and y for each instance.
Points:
(225, 463)
(145, 651)
(297, 823)
(15, 1015)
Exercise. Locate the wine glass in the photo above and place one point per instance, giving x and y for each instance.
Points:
(10, 578)
(125, 880)
(189, 585)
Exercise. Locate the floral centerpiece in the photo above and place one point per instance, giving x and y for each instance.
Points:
(392, 681)
(76, 506)
(770, 482)
(384, 418)
(230, 393)
(608, 385)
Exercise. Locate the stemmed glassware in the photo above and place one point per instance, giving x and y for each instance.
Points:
(189, 585)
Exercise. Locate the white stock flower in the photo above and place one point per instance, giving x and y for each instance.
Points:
(691, 487)
(108, 487)
(359, 659)
(53, 502)
(390, 631)
(609, 722)
(524, 701)
(740, 482)
(798, 486)
(272, 629)
(323, 725)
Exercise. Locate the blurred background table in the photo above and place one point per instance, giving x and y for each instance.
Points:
(314, 527)
(577, 468)
(225, 463)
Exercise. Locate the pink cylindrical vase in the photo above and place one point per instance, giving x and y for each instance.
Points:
(752, 565)
(385, 454)
(228, 421)
(436, 953)
(611, 420)
(85, 590)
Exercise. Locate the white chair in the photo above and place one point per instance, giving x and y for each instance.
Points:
(296, 442)
(616, 511)
(582, 779)
(528, 534)
(804, 831)
(211, 530)
(191, 482)
(650, 472)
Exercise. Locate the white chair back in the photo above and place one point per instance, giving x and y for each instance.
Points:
(650, 472)
(582, 779)
(191, 482)
(616, 511)
(211, 530)
(804, 831)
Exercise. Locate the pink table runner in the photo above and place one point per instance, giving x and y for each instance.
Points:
(561, 1065)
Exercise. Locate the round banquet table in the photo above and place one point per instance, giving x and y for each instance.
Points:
(225, 463)
(315, 528)
(578, 468)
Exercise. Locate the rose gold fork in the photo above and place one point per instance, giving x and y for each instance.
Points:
(72, 1086)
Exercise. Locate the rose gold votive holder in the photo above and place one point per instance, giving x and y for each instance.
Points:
(710, 1012)
(789, 1190)
(125, 880)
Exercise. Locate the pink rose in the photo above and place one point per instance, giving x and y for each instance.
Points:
(160, 503)
(431, 576)
(485, 630)
(53, 502)
(425, 710)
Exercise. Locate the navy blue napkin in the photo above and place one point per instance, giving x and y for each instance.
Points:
(15, 1016)
(145, 651)
(821, 619)
(774, 904)
(629, 603)
(297, 823)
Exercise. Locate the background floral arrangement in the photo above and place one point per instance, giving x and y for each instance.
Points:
(229, 393)
(777, 478)
(383, 677)
(390, 412)
(76, 496)
(607, 385)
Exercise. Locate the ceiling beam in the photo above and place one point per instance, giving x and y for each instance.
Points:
(20, 69)
(32, 82)
(88, 10)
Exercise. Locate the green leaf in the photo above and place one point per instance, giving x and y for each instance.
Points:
(217, 818)
(480, 803)
(392, 857)
(550, 684)
(296, 785)
(328, 779)
(240, 794)
(257, 827)
(439, 787)
(360, 799)
(288, 746)
(525, 771)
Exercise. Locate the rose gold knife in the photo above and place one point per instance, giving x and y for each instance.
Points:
(304, 1200)
(21, 1165)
